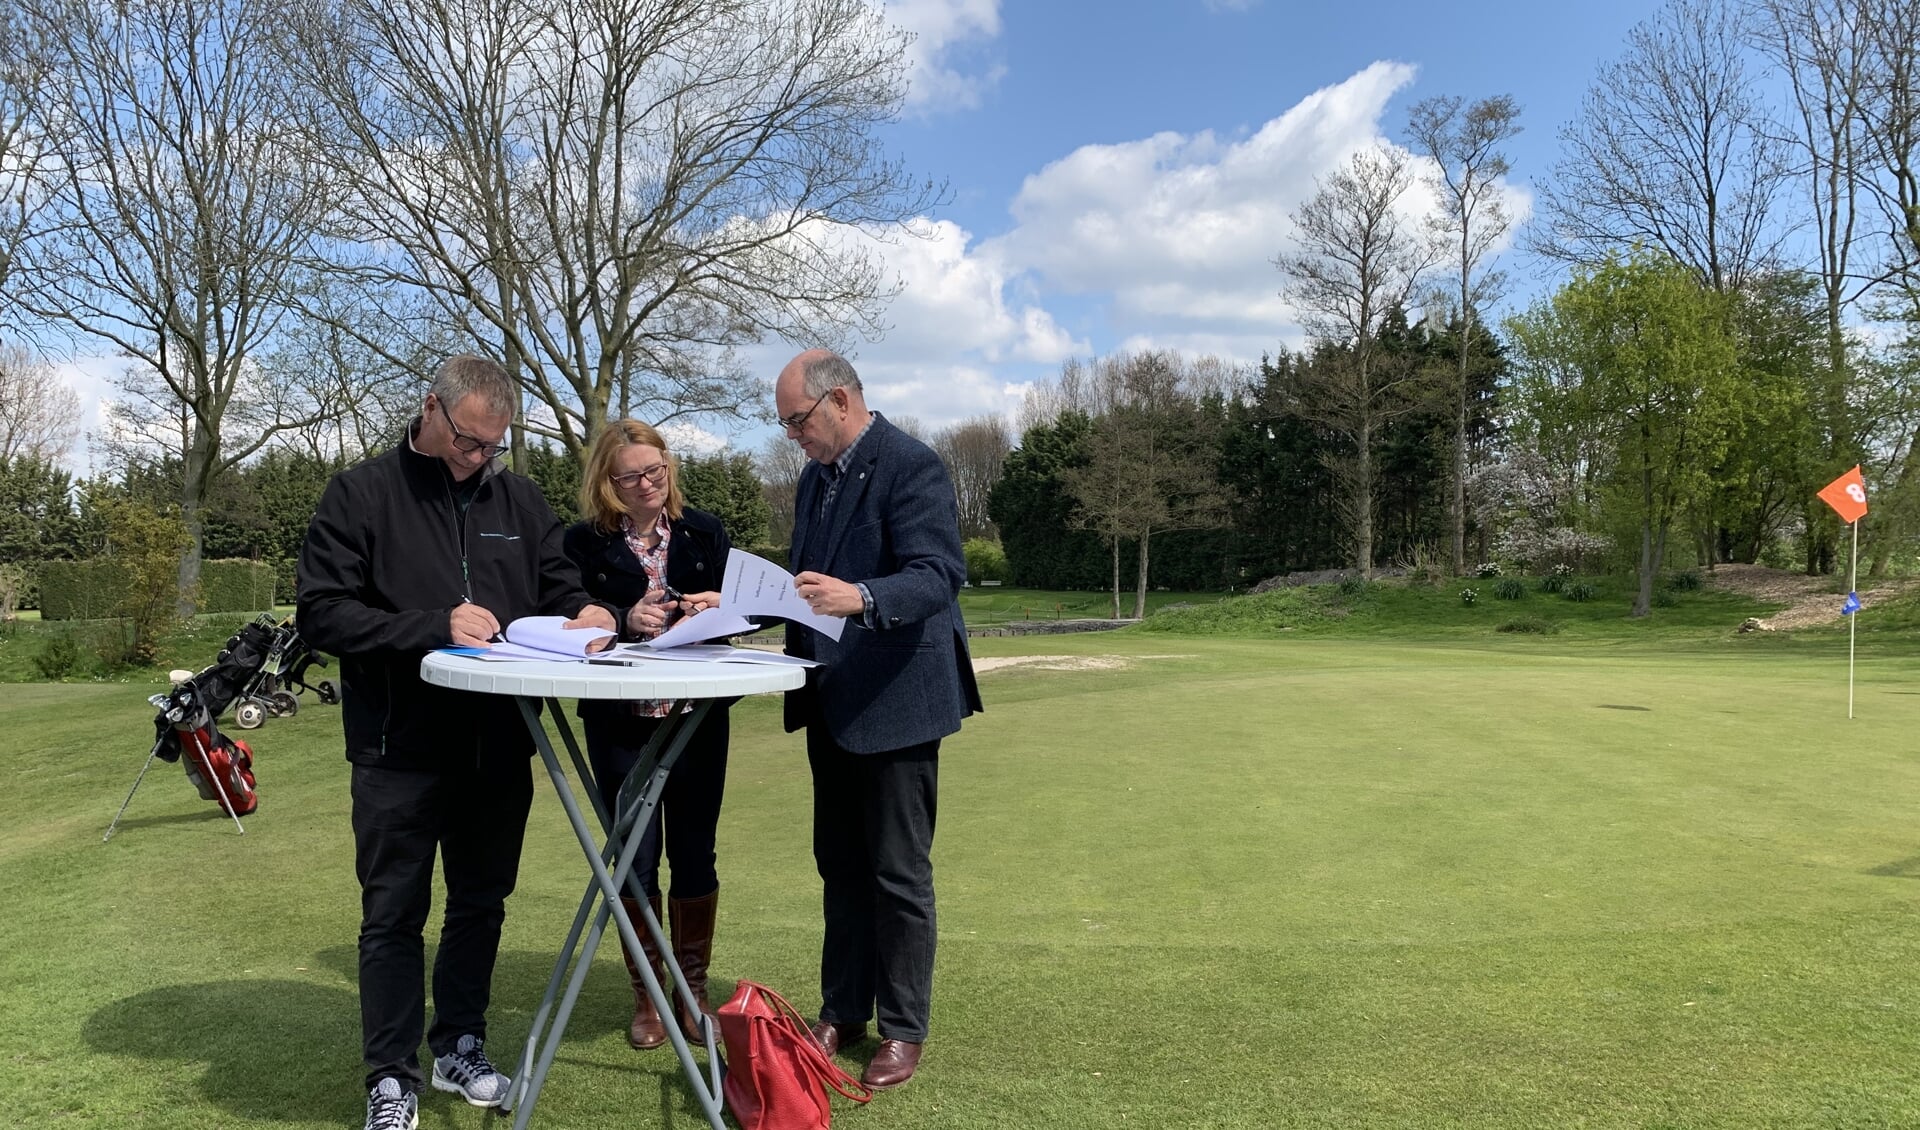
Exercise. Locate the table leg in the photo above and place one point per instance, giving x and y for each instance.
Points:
(634, 806)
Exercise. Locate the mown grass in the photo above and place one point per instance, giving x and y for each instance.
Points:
(1295, 881)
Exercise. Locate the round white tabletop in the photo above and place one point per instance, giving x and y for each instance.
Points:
(660, 679)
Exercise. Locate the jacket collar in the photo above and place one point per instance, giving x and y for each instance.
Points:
(431, 467)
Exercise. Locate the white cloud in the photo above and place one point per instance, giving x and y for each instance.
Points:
(945, 70)
(1180, 230)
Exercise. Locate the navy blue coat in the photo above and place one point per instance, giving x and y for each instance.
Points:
(894, 527)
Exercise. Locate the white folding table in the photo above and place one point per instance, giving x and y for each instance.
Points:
(692, 685)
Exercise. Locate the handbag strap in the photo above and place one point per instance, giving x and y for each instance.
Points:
(823, 1070)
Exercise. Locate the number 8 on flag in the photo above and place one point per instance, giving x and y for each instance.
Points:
(1847, 495)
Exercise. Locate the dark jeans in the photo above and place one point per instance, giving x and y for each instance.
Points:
(689, 806)
(476, 816)
(872, 841)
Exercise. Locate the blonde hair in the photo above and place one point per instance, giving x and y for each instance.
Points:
(600, 501)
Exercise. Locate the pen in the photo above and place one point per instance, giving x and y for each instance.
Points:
(497, 637)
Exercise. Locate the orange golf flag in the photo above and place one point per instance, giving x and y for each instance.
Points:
(1847, 495)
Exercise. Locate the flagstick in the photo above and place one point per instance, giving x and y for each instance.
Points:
(1853, 578)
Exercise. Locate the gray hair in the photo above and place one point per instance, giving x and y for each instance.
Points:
(467, 374)
(823, 374)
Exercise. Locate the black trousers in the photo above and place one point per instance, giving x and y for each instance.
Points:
(689, 808)
(476, 817)
(873, 816)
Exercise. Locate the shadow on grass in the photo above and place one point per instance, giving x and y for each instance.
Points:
(1908, 868)
(1618, 706)
(211, 814)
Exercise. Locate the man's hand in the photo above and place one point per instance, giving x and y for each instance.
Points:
(472, 626)
(648, 618)
(829, 596)
(594, 616)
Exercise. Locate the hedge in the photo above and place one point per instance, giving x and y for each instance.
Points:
(236, 585)
(81, 590)
(92, 589)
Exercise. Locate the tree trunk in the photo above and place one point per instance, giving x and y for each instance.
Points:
(1643, 595)
(1116, 578)
(196, 468)
(1140, 582)
(1363, 500)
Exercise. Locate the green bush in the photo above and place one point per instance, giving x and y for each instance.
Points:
(1580, 592)
(57, 657)
(82, 590)
(1529, 625)
(18, 590)
(1664, 598)
(1488, 570)
(1468, 596)
(286, 580)
(1510, 588)
(986, 561)
(1354, 586)
(1687, 580)
(236, 585)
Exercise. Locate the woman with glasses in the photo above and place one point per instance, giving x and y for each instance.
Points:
(641, 548)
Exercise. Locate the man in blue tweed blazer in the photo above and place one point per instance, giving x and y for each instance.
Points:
(876, 539)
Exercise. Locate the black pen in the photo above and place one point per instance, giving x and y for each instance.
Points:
(497, 637)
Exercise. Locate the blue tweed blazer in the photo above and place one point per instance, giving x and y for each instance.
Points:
(893, 526)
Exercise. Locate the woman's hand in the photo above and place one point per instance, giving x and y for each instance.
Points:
(649, 618)
(693, 602)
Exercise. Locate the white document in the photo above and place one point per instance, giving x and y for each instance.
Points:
(757, 587)
(714, 653)
(541, 637)
(691, 630)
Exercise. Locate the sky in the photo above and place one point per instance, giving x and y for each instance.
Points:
(1120, 174)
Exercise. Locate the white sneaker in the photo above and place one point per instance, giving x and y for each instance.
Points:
(390, 1107)
(467, 1072)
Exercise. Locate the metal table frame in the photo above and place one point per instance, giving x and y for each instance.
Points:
(693, 686)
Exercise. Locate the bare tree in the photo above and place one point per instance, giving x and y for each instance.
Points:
(1464, 143)
(1358, 262)
(974, 451)
(612, 195)
(26, 69)
(780, 462)
(1151, 458)
(1671, 151)
(179, 215)
(39, 415)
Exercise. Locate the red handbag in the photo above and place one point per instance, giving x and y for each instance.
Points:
(777, 1077)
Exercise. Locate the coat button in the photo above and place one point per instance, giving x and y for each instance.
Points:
(603, 576)
(700, 565)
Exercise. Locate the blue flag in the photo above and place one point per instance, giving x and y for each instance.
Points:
(1852, 605)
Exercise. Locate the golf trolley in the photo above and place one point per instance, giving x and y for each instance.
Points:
(274, 688)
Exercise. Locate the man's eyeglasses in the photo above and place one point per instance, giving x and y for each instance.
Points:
(656, 474)
(795, 423)
(464, 442)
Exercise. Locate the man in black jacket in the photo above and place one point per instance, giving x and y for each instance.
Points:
(429, 545)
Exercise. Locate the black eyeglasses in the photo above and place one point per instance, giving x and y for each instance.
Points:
(656, 474)
(795, 423)
(464, 442)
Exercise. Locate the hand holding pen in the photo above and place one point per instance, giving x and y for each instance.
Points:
(655, 611)
(472, 625)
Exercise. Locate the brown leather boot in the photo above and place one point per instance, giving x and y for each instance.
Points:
(693, 949)
(646, 1030)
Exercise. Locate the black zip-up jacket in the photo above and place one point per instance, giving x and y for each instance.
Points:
(388, 555)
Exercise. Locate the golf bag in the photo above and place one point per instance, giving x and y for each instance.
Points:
(185, 730)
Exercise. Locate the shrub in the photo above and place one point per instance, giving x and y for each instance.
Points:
(57, 656)
(1354, 586)
(1488, 569)
(1687, 580)
(17, 591)
(81, 590)
(986, 561)
(1553, 582)
(1529, 625)
(1581, 592)
(1468, 596)
(1510, 588)
(1663, 598)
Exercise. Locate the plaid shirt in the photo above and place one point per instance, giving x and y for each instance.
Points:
(654, 563)
(839, 465)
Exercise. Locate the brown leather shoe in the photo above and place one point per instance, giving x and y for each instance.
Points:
(892, 1065)
(646, 1029)
(832, 1037)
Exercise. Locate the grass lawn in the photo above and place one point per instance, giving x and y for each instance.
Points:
(1313, 880)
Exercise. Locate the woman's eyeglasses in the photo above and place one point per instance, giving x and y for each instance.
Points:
(656, 474)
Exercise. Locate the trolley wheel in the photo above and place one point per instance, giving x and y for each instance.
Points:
(285, 704)
(329, 694)
(249, 715)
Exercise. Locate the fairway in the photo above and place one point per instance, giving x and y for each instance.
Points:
(1302, 882)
